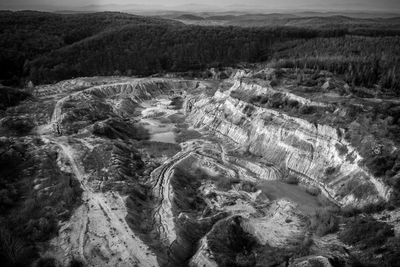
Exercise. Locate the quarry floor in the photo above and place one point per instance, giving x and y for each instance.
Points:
(98, 232)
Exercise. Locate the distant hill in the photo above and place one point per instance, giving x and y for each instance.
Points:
(305, 19)
(25, 35)
(48, 47)
(222, 17)
(189, 17)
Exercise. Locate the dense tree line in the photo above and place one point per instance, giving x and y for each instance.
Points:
(45, 47)
(26, 35)
(363, 61)
(148, 49)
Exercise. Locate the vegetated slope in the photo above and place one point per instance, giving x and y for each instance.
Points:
(362, 60)
(26, 35)
(316, 21)
(189, 17)
(148, 49)
(45, 47)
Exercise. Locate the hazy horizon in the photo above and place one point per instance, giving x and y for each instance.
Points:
(218, 5)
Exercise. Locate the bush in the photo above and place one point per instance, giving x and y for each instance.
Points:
(76, 263)
(307, 110)
(342, 149)
(47, 262)
(379, 165)
(11, 97)
(314, 191)
(13, 251)
(177, 102)
(291, 179)
(248, 186)
(19, 126)
(277, 100)
(330, 170)
(366, 232)
(231, 245)
(323, 222)
(186, 185)
(225, 183)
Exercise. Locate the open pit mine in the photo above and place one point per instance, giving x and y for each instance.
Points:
(190, 172)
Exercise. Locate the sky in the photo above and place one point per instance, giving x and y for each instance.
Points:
(328, 5)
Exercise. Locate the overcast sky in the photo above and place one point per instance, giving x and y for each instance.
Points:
(372, 5)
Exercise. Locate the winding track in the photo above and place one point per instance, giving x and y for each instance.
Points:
(161, 178)
(119, 235)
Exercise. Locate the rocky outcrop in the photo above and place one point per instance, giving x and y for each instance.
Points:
(309, 151)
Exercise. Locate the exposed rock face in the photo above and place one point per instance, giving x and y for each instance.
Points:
(282, 225)
(217, 197)
(293, 144)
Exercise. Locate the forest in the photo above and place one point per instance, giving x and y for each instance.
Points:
(46, 48)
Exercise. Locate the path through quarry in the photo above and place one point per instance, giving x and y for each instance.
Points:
(99, 224)
(198, 161)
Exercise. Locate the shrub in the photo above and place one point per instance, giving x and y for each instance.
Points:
(231, 245)
(76, 263)
(274, 82)
(11, 97)
(307, 110)
(312, 190)
(19, 126)
(366, 232)
(47, 262)
(248, 110)
(379, 165)
(277, 100)
(294, 104)
(248, 186)
(186, 185)
(291, 179)
(330, 170)
(342, 149)
(323, 222)
(13, 251)
(225, 183)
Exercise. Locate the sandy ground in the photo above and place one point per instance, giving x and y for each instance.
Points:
(97, 232)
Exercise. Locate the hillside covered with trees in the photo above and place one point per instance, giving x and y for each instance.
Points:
(46, 47)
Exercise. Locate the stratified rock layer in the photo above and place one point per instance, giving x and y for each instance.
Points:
(295, 145)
